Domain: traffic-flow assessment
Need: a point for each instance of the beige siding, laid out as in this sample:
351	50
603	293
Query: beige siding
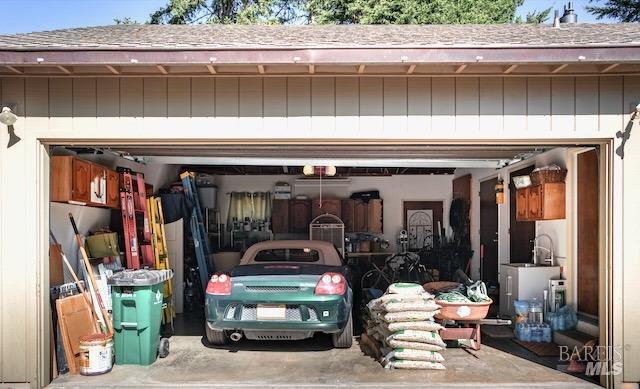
291	108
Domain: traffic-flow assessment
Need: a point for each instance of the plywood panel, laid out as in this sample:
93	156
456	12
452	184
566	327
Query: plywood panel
395	103
84	104
155	97
631	206
538	104
587	104
275	103
419	106
108	103
467	104
250	102
16	279
348	106
131	97
611	104
60	103
515	105
443	102
491	105
299	104
179	97
36	107
203	97
563	104
371	106
226	103
323	105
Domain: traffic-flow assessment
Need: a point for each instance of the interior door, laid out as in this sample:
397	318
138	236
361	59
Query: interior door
488	233
521	233
588	234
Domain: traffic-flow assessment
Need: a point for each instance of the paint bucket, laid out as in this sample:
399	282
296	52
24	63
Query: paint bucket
96	354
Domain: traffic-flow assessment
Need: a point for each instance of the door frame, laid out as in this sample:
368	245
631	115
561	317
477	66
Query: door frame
480	182
36	150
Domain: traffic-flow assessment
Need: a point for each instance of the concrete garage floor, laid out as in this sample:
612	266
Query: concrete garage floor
314	364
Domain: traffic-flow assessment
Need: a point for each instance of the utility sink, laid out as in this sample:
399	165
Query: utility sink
524	265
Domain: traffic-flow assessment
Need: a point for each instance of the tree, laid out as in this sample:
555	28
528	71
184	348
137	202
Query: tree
227	11
534	17
413	11
622	10
125	20
344	12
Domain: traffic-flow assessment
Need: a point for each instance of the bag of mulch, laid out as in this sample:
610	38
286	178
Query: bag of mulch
418	336
377	304
414	355
415	305
393	317
393	343
417	365
412	325
405	288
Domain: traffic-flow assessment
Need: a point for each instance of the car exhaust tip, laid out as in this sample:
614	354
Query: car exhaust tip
235	336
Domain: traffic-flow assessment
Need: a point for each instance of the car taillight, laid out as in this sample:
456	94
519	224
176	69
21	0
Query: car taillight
331	283
219	284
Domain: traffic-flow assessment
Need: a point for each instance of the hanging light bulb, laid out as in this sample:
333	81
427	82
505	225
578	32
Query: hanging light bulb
329	171
307	170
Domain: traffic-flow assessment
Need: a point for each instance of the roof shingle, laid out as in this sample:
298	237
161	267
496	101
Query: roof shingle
211	37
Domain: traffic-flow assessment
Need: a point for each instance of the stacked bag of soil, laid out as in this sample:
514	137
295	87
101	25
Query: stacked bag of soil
400	330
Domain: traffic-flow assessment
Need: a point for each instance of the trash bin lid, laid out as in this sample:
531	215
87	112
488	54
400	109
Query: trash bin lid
141	277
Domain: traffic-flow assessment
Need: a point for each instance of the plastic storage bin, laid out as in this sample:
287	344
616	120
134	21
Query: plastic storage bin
137	315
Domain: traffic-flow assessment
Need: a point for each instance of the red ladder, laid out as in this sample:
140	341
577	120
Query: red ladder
129	221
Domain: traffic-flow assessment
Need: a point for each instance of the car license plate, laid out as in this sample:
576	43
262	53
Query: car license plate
271	312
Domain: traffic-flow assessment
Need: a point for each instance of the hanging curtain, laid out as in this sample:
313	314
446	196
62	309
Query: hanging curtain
255	206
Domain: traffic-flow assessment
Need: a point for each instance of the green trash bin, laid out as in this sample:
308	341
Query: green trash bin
137	315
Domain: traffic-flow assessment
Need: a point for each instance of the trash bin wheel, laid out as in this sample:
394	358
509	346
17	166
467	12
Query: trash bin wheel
163	348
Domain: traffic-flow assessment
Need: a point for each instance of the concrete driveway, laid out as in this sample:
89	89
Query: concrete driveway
314	364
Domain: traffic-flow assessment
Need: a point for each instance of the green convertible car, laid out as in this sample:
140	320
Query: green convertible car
282	290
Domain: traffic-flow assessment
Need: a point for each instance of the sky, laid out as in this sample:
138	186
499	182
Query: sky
41	15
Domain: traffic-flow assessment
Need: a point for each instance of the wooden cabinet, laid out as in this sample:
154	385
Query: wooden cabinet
113	189
347	215
330	206
299	215
374	216
541	202
81	186
280	216
76	180
359	216
522	210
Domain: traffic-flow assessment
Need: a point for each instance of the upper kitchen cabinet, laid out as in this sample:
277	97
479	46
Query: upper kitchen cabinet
330	206
359	216
299	215
280	216
76	180
541	202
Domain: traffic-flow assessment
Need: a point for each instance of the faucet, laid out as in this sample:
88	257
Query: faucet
548	260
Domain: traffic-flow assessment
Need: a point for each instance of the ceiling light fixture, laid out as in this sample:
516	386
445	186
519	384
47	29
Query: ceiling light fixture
8	118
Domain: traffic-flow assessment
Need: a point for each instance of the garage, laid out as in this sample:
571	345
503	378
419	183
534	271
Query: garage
413	150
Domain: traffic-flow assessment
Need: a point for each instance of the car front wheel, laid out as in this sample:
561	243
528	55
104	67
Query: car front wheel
344	339
215	337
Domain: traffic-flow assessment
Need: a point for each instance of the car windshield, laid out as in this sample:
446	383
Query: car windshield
287	255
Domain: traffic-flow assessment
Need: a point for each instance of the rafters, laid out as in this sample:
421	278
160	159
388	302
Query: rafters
411	69
510	68
559	68
609	68
112	69
212	69
162	69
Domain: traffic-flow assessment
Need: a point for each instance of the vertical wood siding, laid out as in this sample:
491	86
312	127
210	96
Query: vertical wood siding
482	108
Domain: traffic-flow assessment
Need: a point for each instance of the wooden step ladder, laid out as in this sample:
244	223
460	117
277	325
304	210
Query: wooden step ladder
161	255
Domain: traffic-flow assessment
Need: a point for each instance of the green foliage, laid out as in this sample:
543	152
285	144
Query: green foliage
534	17
344	12
621	10
126	20
412	11
227	11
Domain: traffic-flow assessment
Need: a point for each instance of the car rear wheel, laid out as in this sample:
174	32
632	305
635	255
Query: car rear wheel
215	337
344	339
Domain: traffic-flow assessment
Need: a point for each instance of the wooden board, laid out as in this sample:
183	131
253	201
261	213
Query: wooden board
75	320
588	233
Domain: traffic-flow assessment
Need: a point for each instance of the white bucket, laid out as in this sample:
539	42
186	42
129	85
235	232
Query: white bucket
96	354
